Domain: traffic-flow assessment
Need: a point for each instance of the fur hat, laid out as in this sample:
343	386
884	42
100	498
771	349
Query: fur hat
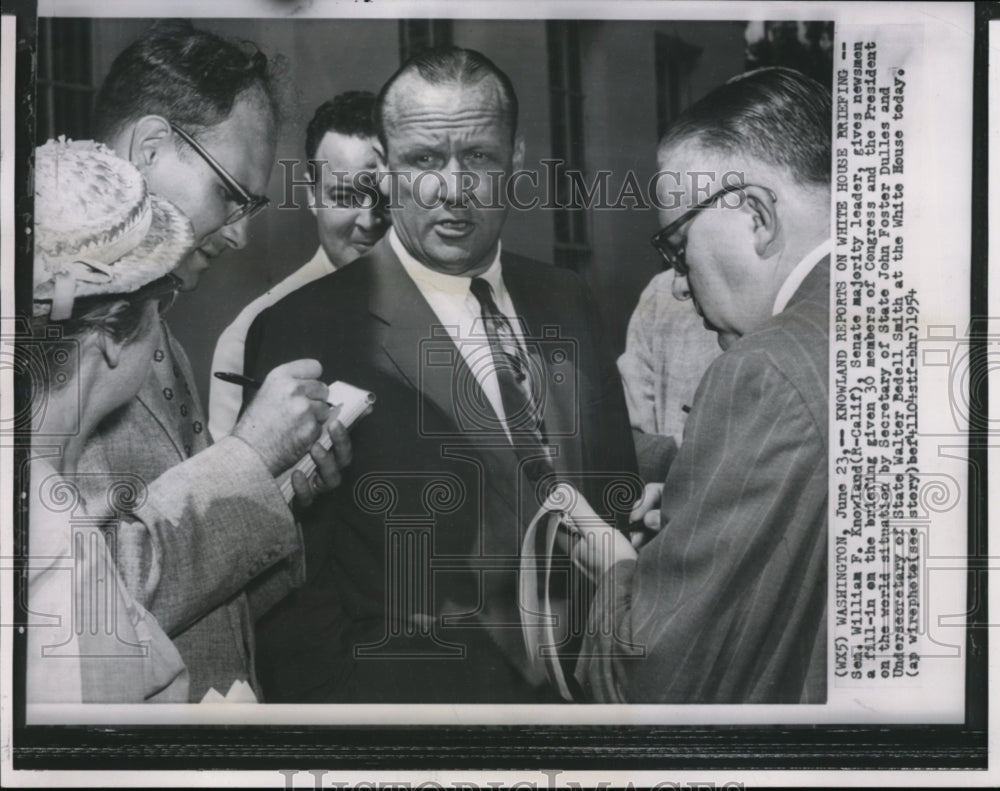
98	230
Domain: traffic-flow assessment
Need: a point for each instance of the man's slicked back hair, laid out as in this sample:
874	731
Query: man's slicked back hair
777	116
190	77
450	66
350	113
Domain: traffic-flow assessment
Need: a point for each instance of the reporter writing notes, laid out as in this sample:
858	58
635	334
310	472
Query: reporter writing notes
100	279
197	115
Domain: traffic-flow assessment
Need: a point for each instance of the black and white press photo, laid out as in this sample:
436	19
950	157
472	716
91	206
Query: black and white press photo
439	370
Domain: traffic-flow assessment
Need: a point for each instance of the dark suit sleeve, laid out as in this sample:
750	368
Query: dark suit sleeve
273	339
726	603
269	588
654	454
609	439
251	352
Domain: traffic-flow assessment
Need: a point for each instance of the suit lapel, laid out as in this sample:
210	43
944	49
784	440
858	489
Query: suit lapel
559	402
421	350
430	362
409	333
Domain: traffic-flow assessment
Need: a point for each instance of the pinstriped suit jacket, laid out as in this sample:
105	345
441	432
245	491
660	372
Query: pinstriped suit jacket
727	604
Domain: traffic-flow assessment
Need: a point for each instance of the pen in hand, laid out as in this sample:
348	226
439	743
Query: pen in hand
244	381
237	379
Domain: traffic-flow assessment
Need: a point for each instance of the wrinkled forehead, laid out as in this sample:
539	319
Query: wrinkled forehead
413	105
340	153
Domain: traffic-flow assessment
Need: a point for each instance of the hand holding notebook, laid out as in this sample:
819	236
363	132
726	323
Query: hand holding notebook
349	404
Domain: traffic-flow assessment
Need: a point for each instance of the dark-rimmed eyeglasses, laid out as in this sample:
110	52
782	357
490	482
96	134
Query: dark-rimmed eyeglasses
247	204
673	254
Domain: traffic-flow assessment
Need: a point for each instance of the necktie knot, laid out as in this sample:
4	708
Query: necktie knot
483	292
507	349
518	392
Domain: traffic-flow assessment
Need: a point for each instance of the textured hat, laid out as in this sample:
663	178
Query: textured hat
98	230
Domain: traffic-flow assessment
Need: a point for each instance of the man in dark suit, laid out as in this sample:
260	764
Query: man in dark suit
727	604
492	382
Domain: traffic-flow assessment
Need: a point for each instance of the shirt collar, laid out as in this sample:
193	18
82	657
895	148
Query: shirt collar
322	260
798	274
428	278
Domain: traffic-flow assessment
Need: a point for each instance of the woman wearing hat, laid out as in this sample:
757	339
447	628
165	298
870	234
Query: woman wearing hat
104	249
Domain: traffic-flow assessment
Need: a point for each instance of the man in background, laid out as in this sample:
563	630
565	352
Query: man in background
340	142
491	380
198	116
667	351
727	603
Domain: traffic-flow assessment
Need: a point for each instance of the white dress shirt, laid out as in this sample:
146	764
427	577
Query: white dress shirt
459	312
797	275
225	399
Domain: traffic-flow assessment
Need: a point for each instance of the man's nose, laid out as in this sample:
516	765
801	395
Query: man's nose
453	178
680	287
235	233
368	219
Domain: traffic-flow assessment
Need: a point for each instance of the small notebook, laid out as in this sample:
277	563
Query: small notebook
349	403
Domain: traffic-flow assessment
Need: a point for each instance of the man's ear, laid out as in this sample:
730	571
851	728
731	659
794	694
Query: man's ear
518	153
110	348
760	203
149	134
311	189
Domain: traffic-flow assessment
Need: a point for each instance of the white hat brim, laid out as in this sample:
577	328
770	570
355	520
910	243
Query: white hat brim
169	240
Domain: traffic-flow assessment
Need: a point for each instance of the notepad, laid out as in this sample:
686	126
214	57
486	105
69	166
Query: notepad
349	403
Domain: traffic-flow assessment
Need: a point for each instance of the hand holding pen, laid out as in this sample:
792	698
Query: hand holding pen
329	458
239	380
286	415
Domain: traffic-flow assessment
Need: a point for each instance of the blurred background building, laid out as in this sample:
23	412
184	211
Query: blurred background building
594	94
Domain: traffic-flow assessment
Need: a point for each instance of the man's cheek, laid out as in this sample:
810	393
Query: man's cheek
188	276
331	227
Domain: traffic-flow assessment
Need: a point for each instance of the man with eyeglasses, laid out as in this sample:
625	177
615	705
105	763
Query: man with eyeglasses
726	603
198	116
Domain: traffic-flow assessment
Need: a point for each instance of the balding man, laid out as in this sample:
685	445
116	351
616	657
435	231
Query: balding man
727	603
491	382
